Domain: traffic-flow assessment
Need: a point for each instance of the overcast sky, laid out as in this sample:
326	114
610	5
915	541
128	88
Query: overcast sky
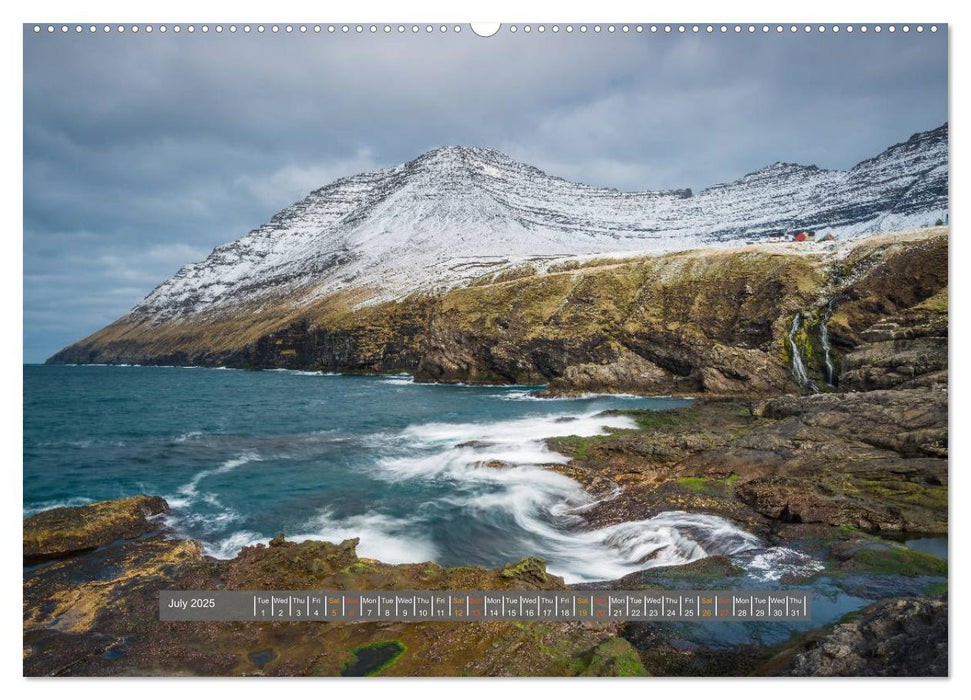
143	152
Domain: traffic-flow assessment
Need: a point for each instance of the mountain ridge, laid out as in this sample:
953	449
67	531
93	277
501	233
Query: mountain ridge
399	229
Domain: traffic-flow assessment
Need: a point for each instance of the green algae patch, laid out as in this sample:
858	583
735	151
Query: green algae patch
359	567
704	485
652	420
531	568
374	658
615	657
576	446
899	561
899	491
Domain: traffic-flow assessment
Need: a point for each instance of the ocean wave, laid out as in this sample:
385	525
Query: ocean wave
401	379
530	395
578	553
501	482
191	488
518	431
772	563
228	547
202	522
64	503
467	451
383	537
462	450
186	520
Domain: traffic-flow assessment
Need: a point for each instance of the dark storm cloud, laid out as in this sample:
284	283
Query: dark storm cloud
142	152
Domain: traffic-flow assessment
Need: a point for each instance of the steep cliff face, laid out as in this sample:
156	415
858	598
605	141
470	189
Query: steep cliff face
686	323
885	317
699	322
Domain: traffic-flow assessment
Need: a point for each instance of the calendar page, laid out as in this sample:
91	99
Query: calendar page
518	349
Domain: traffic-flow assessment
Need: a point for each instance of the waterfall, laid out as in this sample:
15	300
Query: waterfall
824	339
798	368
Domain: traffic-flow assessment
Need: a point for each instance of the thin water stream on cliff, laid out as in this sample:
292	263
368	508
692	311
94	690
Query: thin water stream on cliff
798	368
824	341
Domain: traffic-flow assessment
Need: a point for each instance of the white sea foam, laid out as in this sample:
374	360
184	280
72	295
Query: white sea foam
553	519
401	379
391	540
667	539
462	448
772	563
216	517
207	523
530	395
229	547
65	503
534	429
543	512
548	508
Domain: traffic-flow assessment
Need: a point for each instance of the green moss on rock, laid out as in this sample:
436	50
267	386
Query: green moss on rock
900	561
615	657
530	569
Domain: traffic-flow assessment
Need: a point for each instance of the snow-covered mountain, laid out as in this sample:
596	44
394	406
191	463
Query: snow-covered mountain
457	213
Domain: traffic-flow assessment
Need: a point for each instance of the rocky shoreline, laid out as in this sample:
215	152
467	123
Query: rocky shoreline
94	613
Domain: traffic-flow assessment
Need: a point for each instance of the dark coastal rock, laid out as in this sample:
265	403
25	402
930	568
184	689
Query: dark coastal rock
901	351
898	637
874	460
76	595
65	531
911	422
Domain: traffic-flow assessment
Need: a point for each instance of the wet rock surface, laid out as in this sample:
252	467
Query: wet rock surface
898	637
65	531
867	461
